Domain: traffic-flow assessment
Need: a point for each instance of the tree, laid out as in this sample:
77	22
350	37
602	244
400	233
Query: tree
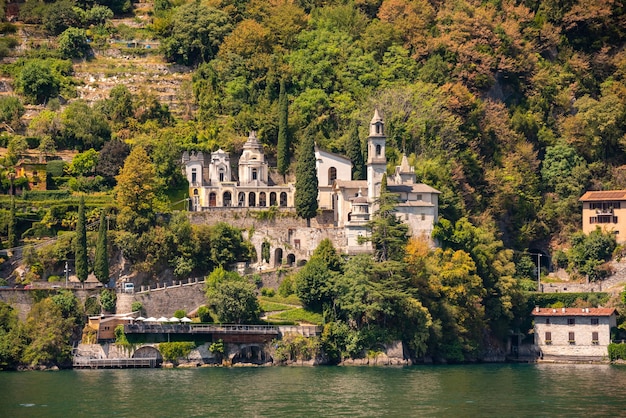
83	127
84	163
73	43
235	301
101	263
195	33
11	111
80	245
136	192
12	241
111	159
37	82
306	181
389	234
48	335
282	152
315	284
354	151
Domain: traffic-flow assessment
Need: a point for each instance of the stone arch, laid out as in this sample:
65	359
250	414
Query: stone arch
262	199
378	148
278	257
273	199
252	199
148	351
227	198
212	199
252	354
241	199
291	259
283	199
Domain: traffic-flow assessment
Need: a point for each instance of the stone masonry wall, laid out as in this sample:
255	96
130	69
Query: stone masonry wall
164	301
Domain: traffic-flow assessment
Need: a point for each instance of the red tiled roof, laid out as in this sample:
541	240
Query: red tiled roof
605	195
573	311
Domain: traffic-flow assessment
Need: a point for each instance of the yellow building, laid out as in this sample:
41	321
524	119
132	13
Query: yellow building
607	210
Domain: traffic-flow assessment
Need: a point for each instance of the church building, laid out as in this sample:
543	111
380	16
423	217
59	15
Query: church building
352	202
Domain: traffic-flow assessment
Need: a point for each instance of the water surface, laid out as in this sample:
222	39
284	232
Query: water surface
544	390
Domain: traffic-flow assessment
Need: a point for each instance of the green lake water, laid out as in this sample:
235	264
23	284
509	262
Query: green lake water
492	390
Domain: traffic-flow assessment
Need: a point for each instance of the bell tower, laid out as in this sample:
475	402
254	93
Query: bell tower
376	160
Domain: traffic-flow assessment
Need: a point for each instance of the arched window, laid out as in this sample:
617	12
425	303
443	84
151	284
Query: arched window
221	174
291	260
212	199
227	199
378	150
283	199
254	174
241	199
194	176
332	175
252	199
273	199
262	199
379	128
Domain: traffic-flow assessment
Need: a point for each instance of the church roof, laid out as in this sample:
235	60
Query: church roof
404	165
376	117
412	188
350	184
322	152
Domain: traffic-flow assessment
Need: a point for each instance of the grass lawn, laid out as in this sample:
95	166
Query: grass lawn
273	306
289	300
298	315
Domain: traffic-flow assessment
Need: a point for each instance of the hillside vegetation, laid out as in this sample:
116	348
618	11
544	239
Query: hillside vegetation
512	109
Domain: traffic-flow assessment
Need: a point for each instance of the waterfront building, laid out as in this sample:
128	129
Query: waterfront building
605	210
573	333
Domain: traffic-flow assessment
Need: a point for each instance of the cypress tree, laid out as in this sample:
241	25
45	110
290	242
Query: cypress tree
389	234
355	153
282	151
12	225
306	180
80	249
101	265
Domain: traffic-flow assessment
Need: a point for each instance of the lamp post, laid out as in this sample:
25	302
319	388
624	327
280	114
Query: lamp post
67	273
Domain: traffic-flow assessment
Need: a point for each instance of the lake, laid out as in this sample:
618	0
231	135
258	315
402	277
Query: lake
494	390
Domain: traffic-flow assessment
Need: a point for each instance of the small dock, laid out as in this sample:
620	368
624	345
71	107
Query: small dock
114	363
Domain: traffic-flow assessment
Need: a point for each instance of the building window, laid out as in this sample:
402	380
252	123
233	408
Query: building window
296	244
283	199
418	197
595	321
547	321
221	174
548	339
603	219
378	150
332	175
194	176
604	206
571	321
254	174
423	217
594	338
572	338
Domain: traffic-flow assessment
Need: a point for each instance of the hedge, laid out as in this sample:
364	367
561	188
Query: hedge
617	351
545	300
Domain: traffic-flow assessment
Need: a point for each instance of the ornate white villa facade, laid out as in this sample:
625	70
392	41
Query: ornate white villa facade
212	185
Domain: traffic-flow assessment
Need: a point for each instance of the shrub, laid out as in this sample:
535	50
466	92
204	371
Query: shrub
617	351
269	292
92	306
180	314
204	314
175	350
136	306
54	279
287	287
108	300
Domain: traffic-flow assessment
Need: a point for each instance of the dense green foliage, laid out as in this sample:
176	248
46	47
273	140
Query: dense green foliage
173	351
306	180
80	244
101	263
511	109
